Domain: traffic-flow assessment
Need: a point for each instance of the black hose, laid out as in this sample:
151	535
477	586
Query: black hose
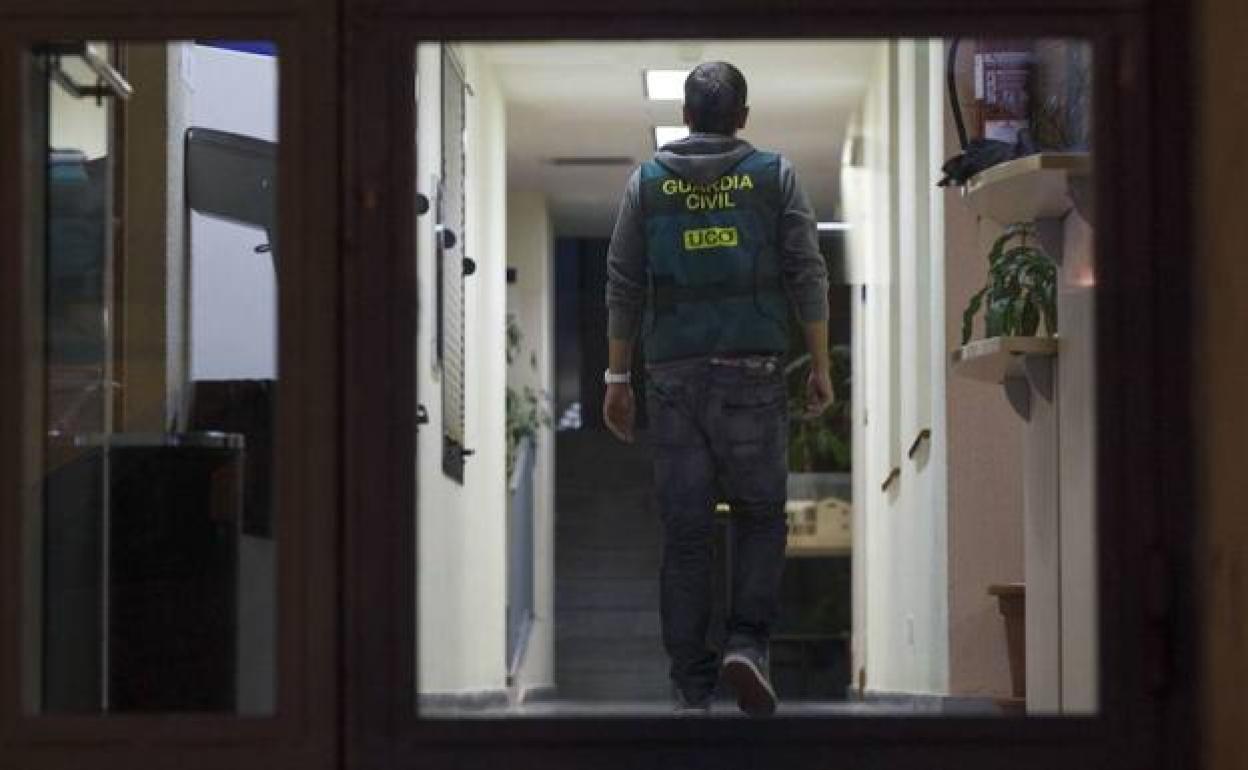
953	91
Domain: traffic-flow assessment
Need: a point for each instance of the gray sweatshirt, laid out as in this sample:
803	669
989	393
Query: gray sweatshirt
700	159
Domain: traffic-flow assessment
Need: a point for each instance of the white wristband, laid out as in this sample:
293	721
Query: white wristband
611	378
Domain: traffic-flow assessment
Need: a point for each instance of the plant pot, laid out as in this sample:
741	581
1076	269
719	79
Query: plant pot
1011	601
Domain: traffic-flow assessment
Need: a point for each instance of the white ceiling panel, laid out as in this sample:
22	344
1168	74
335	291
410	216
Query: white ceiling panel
587	100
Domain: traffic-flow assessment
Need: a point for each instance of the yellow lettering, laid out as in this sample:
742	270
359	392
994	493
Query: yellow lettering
708	192
710	237
719	200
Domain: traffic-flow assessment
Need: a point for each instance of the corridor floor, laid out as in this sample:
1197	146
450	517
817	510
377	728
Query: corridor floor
722	709
609	658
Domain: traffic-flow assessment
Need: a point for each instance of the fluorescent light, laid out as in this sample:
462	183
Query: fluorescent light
665	134
825	227
665	85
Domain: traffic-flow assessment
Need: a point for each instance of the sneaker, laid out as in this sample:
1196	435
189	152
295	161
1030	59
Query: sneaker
743	672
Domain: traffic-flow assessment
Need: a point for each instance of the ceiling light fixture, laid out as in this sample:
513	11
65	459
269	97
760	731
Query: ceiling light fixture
665	134
665	85
825	227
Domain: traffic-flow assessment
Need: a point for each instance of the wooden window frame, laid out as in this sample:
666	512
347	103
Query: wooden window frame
303	732
1145	511
347	648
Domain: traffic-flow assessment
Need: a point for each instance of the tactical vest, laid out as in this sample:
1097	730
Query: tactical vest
714	267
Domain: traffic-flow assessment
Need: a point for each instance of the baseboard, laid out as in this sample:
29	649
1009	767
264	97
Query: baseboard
544	693
934	703
474	700
517	661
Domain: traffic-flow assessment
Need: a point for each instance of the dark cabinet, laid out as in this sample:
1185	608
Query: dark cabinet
141	538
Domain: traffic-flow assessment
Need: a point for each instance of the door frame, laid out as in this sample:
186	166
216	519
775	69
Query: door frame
303	733
1148	613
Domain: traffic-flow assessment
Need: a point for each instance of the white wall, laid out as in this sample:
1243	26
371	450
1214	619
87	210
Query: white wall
530	250
462	528
864	186
177	308
78	124
901	642
233	307
233	289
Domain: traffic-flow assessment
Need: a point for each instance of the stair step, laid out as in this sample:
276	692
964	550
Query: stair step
596	534
572	624
572	562
608	541
595	687
606	594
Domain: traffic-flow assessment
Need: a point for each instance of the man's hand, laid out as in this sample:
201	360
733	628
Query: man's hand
619	412
819	393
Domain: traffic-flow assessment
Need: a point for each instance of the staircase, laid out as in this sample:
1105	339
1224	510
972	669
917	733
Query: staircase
607	552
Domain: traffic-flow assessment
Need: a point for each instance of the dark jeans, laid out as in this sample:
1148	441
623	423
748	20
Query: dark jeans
720	433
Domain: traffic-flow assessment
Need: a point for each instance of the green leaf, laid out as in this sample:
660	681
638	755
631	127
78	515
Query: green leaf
998	246
1029	317
996	316
968	315
842	453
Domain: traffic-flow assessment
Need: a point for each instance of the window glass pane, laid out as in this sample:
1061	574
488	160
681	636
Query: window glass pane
151	558
881	565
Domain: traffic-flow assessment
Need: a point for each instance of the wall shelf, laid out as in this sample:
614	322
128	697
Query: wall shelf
996	359
1020	364
1028	188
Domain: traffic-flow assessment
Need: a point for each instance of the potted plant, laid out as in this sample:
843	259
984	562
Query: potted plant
1021	291
822	444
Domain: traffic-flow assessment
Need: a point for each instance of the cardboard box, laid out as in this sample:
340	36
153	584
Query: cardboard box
819	527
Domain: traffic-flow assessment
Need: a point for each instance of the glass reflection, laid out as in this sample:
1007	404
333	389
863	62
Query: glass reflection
937	492
153	577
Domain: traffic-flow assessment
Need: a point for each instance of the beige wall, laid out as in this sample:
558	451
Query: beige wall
143	334
986	485
1221	377
530	250
461	559
79	124
985	470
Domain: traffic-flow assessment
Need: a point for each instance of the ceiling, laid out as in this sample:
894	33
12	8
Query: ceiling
586	99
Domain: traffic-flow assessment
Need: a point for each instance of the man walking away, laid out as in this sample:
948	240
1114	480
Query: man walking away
715	242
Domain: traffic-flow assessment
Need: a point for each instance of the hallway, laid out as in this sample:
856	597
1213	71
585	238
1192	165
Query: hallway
609	659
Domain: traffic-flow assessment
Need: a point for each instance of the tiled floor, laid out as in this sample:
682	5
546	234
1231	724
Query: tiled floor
720	709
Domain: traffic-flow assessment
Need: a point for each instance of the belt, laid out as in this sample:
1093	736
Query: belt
765	362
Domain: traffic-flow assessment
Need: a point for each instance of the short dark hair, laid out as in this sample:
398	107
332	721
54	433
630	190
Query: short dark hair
715	96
